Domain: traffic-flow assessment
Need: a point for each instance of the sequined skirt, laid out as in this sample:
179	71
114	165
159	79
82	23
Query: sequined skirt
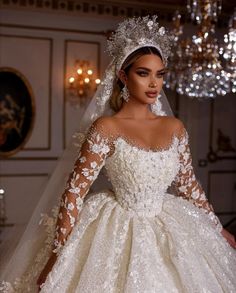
111	250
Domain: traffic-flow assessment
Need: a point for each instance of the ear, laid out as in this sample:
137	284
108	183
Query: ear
123	76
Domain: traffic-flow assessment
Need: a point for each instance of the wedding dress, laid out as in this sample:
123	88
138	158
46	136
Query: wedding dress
135	237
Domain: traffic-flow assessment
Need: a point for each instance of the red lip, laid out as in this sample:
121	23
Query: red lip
151	94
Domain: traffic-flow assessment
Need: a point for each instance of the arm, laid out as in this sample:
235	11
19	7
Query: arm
187	184
91	159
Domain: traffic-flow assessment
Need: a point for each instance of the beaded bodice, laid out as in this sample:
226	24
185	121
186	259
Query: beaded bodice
141	177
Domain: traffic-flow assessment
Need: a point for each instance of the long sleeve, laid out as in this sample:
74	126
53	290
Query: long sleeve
186	183
91	159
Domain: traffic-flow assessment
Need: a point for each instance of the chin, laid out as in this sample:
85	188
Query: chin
150	101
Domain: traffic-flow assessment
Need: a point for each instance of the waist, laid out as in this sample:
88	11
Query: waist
150	207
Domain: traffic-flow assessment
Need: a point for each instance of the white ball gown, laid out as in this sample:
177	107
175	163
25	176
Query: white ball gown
137	237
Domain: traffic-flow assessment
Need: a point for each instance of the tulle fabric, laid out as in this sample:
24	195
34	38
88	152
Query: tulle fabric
113	250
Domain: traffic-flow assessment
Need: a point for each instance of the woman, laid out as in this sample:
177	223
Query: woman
137	237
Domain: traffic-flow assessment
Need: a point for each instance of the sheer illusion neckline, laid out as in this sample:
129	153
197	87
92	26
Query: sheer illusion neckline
131	143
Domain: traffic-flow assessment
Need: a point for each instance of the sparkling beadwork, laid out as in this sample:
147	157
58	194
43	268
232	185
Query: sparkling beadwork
145	239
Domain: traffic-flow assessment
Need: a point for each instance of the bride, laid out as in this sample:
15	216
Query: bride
136	235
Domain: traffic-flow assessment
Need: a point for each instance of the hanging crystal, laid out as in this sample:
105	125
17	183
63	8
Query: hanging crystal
203	77
228	51
195	66
198	9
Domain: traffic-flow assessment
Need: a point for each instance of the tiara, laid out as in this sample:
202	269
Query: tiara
135	33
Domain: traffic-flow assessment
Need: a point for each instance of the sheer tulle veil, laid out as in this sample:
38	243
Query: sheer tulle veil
40	229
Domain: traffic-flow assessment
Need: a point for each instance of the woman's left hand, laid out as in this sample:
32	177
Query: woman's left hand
229	237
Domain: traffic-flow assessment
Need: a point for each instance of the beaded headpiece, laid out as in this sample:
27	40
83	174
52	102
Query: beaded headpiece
131	34
135	33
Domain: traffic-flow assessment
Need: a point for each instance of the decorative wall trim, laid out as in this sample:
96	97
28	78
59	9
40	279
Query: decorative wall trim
30	159
210	174
98	65
93	8
50	40
108	9
212	155
54	29
25	175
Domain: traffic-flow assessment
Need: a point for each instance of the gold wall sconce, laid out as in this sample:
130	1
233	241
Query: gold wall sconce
81	84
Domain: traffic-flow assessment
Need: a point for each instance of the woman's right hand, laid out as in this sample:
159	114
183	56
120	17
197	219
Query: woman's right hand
47	269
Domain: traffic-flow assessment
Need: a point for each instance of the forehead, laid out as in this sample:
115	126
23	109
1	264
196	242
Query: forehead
149	61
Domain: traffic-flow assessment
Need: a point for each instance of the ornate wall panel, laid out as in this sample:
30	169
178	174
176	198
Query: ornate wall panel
222	193
83	50
32	56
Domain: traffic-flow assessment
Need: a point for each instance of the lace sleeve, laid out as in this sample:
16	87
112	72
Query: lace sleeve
186	183
91	159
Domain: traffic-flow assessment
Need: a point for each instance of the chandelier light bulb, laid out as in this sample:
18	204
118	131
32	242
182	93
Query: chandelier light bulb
81	83
199	67
71	80
79	71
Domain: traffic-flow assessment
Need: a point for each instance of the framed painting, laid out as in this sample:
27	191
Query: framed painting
17	111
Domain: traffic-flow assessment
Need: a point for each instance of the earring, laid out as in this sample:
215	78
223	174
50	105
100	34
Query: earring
125	93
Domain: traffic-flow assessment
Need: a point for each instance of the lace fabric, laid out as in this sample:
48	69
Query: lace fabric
97	147
186	183
136	231
90	161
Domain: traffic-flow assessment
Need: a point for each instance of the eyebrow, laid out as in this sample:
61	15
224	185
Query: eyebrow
145	68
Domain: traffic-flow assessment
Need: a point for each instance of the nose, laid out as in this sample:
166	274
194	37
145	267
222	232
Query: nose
153	84
152	81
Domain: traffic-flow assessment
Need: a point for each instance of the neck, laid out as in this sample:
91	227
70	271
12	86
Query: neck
136	110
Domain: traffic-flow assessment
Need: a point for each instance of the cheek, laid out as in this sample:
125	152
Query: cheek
137	83
160	82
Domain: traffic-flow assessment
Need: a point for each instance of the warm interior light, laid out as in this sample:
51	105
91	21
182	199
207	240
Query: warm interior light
71	79
81	82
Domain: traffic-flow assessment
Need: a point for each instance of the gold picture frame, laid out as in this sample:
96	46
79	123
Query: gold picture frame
17	111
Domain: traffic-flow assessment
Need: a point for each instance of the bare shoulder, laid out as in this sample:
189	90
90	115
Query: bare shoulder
105	123
174	124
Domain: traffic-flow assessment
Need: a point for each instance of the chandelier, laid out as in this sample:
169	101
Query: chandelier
81	84
228	51
196	68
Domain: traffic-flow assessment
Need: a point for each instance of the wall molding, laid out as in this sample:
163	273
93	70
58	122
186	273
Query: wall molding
209	179
98	64
212	155
108	9
50	43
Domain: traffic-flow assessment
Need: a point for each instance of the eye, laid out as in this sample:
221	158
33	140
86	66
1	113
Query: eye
160	75
142	73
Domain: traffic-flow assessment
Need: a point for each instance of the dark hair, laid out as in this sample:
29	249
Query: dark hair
116	99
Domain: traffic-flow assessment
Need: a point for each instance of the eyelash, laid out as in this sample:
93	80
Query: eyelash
144	73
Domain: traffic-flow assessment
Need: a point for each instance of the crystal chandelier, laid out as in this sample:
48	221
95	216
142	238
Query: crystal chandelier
228	51
195	65
81	84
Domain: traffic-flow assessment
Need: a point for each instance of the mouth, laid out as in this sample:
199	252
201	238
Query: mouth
151	94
